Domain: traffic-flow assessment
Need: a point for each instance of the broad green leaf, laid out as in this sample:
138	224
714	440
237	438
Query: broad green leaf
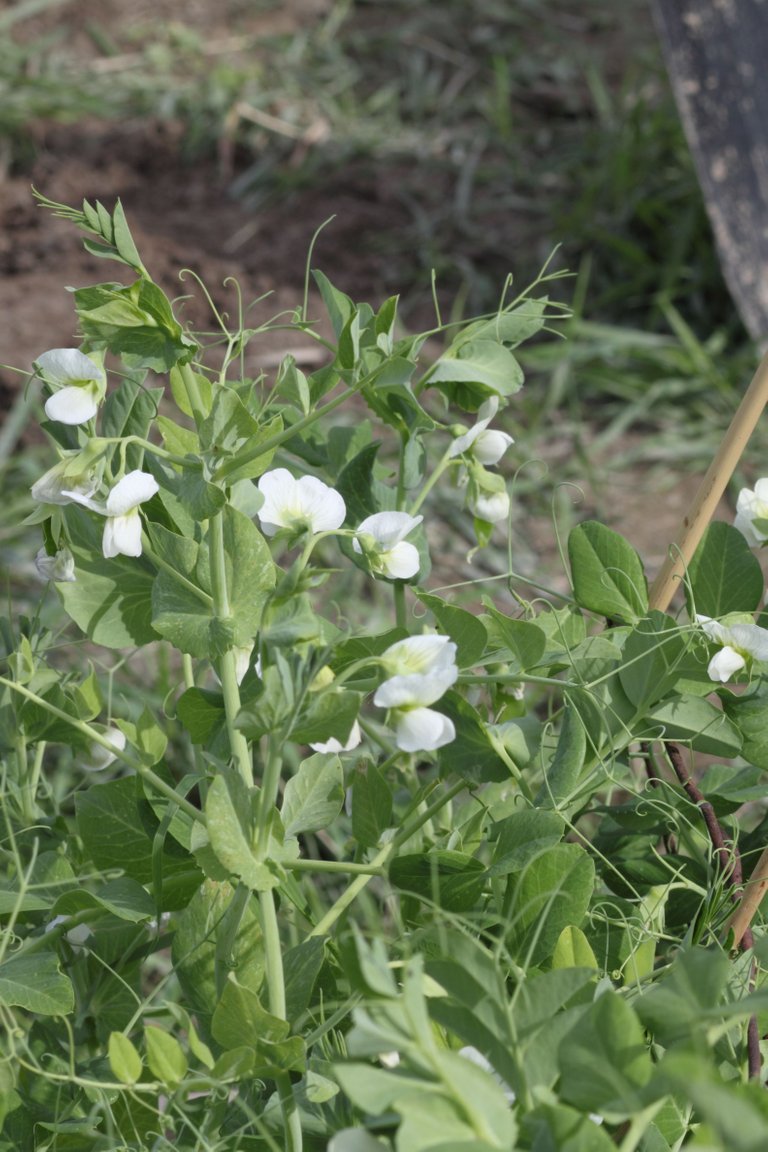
724	575
313	797
355	1140
524	639
111	600
520	838
165	1056
605	1061
124	1060
36	984
686	997
694	721
736	1112
250	573
363	493
240	1020
749	712
123	897
467	631
552	892
229	823
607	573
202	713
573	950
197	956
512	326
652	658
200	498
556	1128
480	362
326	715
301	968
129	409
371	804
452	880
338	305
471	754
561	776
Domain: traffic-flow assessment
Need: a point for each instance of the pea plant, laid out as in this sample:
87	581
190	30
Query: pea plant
303	851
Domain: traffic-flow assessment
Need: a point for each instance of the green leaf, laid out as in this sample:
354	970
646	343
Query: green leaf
467	631
181	395
123	897
521	837
202	714
338	305
512	326
748	712
124	1060
36	984
555	1128
607	573
481	362
229	823
604	1060
110	600
355	1140
371	805
452	880
552	892
250	573
724	574
524	639
201	499
165	1056
652	659
241	1020
301	968
201	929
326	715
471	754
314	796
562	775
180	616
694	721
573	950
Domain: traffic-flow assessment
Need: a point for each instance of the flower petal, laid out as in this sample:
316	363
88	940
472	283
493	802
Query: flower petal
99	756
387	528
122	535
134	489
414	690
72	405
491	507
490	446
401	562
724	663
420	654
422	730
66	365
334	745
322	505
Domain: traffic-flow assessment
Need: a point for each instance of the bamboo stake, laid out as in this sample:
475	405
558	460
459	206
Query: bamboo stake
751	898
711	489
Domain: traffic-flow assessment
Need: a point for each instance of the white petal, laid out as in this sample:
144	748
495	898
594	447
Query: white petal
492	507
55	487
388	528
60	567
323	506
334	745
71	405
491	446
100	757
122	535
401	562
128	493
63	365
723	665
408	691
422	730
420	654
750	638
761	491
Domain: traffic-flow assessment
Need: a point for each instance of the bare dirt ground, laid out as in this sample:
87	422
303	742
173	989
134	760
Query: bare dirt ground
183	215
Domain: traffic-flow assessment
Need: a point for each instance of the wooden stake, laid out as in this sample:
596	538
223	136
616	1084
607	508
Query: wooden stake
711	489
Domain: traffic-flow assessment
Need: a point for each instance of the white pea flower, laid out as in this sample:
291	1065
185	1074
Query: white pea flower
381	539
76	936
60	567
752	505
122	531
79	385
57	484
303	504
100	757
428	655
740	644
417	727
334	745
490	506
487	446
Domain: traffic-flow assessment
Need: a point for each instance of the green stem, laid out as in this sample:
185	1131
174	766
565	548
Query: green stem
33	780
440	467
337	909
97	738
238	745
342	866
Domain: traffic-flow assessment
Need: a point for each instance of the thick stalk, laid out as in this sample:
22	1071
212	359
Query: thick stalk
238	745
711	489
